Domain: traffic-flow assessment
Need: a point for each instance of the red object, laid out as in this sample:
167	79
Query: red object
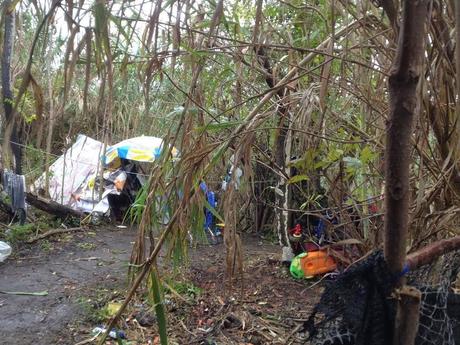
373	208
297	231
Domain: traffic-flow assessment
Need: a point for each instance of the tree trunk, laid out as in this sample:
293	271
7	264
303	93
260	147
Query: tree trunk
52	207
456	177
11	138
282	148
403	84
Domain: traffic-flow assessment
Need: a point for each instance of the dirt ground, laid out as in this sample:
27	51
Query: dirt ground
70	268
266	307
84	271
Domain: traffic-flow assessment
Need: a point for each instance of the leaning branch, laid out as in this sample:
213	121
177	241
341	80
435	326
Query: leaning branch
431	252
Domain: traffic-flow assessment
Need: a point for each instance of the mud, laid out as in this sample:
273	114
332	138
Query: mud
69	268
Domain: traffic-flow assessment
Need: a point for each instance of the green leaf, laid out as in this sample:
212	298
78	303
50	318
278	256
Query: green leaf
218	126
117	22
277	191
155	289
298	178
367	155
213	211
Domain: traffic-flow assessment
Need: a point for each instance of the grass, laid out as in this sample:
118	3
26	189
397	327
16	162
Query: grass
92	313
95	306
46	246
19	233
87	245
183	288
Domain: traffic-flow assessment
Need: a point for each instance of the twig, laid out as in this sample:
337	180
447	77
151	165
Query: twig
54	232
185	328
294	331
87	341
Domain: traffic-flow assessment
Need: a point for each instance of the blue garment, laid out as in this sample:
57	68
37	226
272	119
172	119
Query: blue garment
203	187
208	224
319	229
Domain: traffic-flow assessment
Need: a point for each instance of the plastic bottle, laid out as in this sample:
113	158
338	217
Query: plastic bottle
5	251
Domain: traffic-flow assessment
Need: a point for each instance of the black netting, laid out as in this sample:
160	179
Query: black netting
357	307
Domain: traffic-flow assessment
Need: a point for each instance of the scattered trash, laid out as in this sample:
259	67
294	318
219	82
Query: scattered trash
233	169
287	256
114	333
308	265
5	251
121	226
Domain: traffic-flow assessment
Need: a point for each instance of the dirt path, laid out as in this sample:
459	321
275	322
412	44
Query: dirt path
84	271
70	269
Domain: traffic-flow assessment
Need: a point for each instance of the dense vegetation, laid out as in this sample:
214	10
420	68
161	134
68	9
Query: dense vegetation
296	91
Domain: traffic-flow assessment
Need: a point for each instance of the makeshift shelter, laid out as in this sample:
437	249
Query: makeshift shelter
71	172
74	178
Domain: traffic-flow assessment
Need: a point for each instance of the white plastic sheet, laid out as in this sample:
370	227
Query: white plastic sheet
76	165
5	250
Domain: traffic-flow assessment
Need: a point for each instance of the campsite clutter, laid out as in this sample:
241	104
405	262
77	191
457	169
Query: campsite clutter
84	181
75	180
318	244
87	180
311	259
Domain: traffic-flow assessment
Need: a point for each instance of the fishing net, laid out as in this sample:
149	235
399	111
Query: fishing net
357	307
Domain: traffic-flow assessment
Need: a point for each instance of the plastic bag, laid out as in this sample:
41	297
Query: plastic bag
5	251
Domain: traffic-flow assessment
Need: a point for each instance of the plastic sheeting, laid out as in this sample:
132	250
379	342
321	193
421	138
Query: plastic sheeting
69	172
5	250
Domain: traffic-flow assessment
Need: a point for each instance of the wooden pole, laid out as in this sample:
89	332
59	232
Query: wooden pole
407	315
